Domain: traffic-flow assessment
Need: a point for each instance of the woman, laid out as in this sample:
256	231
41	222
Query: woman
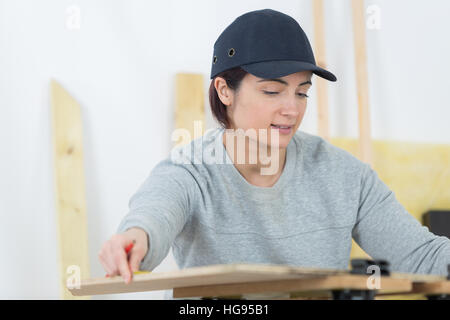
302	210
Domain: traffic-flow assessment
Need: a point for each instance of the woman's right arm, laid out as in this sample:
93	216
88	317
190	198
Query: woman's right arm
159	210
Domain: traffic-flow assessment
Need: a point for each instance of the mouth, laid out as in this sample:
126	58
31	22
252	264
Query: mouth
283	129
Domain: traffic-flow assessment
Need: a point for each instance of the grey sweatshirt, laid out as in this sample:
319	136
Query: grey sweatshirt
209	214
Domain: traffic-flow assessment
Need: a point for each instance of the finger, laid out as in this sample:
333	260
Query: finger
110	261
107	269
104	262
121	262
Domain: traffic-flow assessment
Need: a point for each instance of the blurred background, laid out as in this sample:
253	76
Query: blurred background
118	59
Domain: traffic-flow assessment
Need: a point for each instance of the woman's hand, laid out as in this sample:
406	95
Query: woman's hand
114	258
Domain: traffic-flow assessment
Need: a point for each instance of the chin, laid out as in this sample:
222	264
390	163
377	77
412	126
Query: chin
282	144
279	146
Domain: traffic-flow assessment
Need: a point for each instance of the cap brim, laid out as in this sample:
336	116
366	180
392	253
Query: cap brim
281	68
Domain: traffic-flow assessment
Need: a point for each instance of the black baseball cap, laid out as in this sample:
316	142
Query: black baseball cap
266	43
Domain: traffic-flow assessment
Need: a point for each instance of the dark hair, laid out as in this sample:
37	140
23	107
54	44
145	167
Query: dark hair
233	78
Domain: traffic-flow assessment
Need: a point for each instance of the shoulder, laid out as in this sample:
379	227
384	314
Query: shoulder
194	152
188	160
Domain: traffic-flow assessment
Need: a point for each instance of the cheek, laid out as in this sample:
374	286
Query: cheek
262	116
257	114
303	109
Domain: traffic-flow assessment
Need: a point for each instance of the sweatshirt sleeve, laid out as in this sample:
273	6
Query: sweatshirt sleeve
385	230
161	207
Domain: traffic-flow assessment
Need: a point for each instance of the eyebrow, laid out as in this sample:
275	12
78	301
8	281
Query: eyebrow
284	82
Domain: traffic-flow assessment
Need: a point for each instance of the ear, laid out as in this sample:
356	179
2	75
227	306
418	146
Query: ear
223	91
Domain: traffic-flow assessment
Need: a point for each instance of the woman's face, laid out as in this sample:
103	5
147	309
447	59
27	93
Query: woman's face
261	103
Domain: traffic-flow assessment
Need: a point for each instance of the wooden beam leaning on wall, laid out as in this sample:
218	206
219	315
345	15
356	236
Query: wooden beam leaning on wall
69	189
322	84
359	34
189	106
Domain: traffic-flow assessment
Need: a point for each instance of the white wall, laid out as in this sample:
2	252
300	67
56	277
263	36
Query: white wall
120	66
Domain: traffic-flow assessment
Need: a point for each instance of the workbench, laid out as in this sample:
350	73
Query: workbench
253	281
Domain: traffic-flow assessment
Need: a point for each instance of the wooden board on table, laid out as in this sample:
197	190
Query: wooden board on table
313	285
242	274
431	288
318	285
204	275
422	286
69	187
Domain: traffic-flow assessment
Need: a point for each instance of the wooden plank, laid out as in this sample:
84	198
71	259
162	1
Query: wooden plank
396	284
205	275
238	274
359	36
439	287
69	187
321	84
424	287
189	105
321	285
238	279
418	278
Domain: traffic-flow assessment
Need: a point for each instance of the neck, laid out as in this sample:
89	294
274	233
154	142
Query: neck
253	171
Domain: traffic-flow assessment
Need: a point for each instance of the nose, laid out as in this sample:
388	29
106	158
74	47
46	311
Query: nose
291	107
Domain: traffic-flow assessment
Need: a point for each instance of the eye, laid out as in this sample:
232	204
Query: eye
302	95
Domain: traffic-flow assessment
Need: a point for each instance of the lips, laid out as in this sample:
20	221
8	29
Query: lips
284	130
281	126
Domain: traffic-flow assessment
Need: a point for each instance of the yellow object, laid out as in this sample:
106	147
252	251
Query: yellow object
189	107
322	84
417	173
141	272
69	189
359	39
